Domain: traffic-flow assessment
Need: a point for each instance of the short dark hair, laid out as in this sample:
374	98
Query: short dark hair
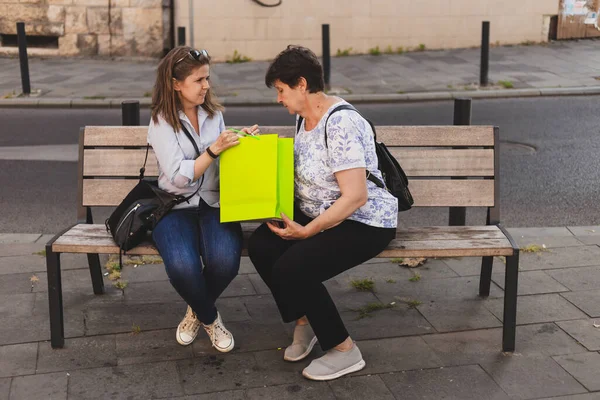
294	63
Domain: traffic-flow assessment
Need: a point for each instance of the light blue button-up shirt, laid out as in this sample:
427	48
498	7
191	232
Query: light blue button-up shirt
176	156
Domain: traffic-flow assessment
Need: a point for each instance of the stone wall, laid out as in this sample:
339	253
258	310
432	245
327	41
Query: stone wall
93	27
223	26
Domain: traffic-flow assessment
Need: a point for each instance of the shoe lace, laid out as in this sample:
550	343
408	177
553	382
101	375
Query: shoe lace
216	331
190	322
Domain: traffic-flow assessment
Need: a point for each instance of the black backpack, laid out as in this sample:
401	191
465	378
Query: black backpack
395	180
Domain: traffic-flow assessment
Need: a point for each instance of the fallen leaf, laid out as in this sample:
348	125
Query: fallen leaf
413	262
34	279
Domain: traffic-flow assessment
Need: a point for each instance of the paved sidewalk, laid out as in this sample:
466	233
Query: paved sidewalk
568	67
439	340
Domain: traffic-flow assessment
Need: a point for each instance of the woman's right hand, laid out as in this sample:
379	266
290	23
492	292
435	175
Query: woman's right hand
226	140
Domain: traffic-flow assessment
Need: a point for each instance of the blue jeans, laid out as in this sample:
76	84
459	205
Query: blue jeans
201	255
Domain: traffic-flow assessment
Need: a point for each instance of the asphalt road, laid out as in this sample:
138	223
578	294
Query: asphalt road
550	170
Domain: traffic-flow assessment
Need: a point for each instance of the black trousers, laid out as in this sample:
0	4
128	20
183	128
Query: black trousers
294	270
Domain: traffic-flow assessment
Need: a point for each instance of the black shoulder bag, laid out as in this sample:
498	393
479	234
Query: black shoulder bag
395	180
143	207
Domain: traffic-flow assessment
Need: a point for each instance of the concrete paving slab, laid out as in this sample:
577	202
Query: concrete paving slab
23	329
576	279
588	396
18	359
260	287
469	266
297	391
273	370
395	322
540	232
238	368
538	308
484	345
5	388
18	238
584	367
40	387
580	256
361	387
150	292
588	301
226	395
78	353
150	346
106	319
260	308
249	336
457	383
584	331
143	381
532	282
454	315
16	304
549	241
397	354
144	273
531	378
347	298
240	286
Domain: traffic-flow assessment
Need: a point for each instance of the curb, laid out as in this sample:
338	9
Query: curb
145	102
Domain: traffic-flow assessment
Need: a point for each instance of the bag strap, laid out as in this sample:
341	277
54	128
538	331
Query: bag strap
189	136
370	177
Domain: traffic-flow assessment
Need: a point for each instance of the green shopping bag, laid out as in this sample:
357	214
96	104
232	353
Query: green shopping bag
257	179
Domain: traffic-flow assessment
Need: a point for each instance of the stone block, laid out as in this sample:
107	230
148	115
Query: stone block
576	279
5	388
87	45
61	2
143	30
104	45
532	282
67	44
579	256
97	20
40	386
454	315
116	21
397	354
56	13
119	3
145	3
76	20
588	301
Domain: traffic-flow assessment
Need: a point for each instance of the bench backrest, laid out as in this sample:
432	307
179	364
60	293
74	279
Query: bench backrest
110	158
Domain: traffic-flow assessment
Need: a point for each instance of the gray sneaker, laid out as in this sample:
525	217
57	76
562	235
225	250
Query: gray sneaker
304	341
335	364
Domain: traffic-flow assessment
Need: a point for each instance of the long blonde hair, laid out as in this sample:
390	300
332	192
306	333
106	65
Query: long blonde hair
165	101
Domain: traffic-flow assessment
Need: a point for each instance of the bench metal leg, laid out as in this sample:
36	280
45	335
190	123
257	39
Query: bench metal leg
96	273
57	330
510	302
485	279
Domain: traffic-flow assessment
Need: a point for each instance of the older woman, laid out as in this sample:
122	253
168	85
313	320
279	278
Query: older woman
341	218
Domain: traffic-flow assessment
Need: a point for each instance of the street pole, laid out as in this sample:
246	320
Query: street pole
326	55
130	112
485	53
23	60
181	36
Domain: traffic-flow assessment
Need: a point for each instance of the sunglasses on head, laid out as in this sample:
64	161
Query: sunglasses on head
195	54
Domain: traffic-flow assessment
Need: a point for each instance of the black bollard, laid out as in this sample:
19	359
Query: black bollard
130	111
181	36
22	42
462	116
485	53
326	55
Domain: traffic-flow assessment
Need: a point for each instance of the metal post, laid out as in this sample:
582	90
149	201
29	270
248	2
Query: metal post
326	55
191	8
462	116
181	36
485	53
130	111
22	42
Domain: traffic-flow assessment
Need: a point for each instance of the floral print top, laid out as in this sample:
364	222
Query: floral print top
349	145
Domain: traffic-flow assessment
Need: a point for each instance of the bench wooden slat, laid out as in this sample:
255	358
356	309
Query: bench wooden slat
426	193
426	136
411	242
416	163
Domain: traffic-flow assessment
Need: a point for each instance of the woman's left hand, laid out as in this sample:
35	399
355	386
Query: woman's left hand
253	130
291	231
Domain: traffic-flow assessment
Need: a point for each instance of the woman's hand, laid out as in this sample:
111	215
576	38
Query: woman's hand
226	140
253	130
291	231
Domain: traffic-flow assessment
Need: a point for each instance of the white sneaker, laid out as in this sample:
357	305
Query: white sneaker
188	328
220	337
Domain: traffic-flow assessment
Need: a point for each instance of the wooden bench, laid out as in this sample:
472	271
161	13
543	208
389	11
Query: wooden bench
110	159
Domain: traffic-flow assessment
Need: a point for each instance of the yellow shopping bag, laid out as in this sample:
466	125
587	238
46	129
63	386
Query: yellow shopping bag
257	179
